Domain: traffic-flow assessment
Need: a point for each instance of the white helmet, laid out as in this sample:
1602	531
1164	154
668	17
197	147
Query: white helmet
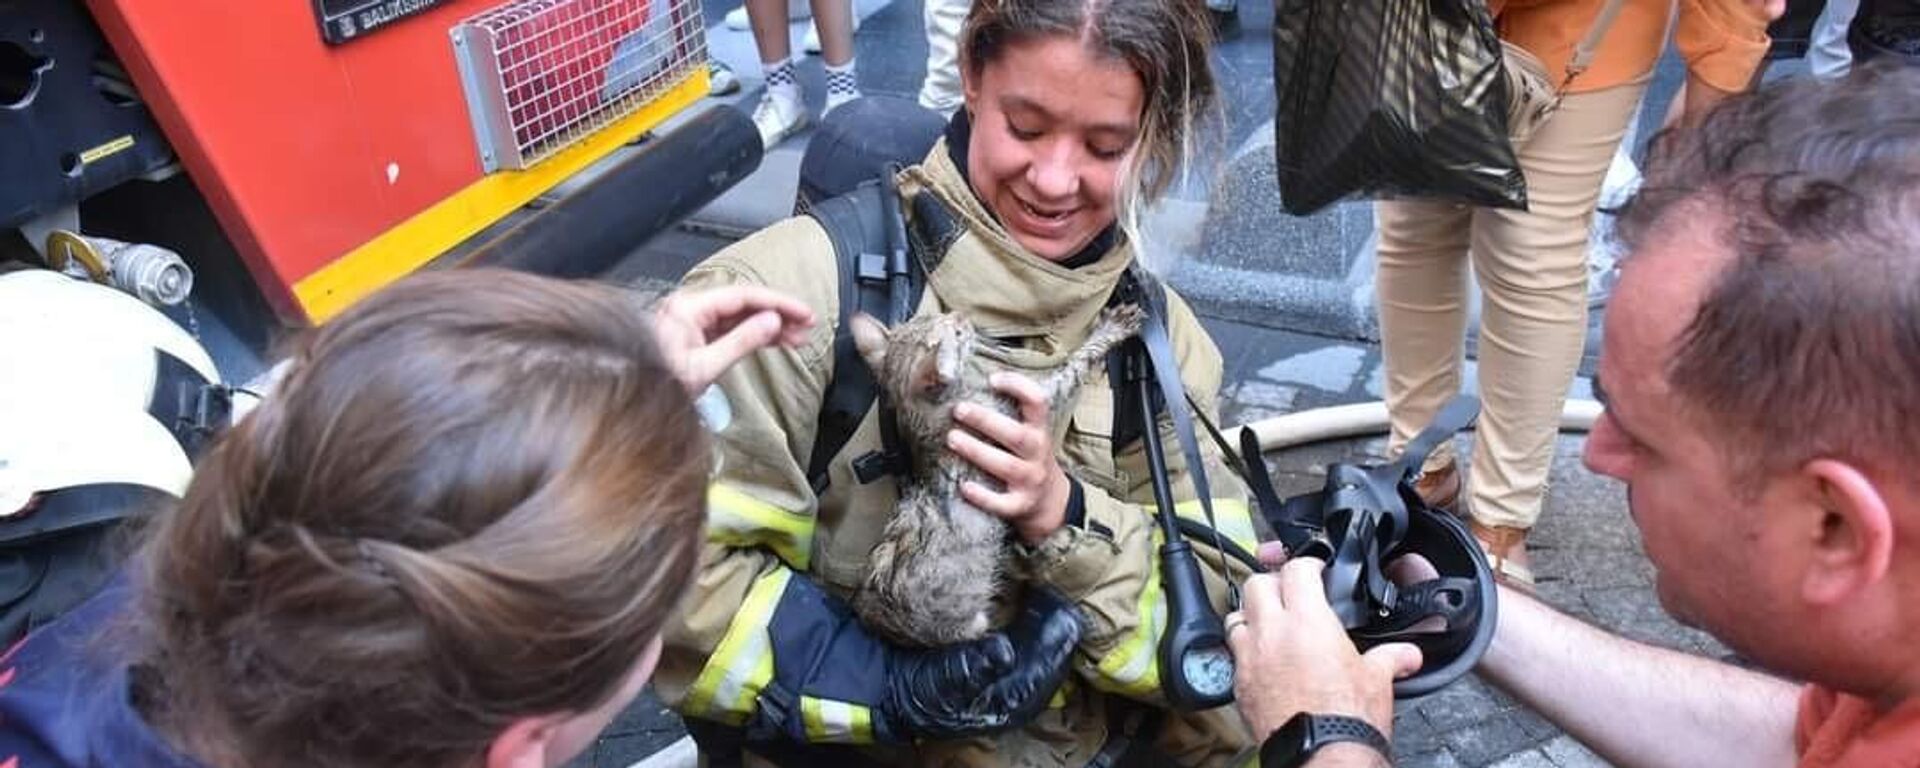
91	384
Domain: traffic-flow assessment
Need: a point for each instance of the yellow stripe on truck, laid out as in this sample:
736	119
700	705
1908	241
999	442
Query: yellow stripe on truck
424	236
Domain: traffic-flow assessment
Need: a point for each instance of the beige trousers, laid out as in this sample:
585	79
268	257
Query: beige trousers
1532	270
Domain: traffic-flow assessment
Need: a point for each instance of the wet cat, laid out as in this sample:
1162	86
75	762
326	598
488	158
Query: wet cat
940	560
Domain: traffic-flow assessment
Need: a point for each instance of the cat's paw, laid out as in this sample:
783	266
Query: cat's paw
1123	320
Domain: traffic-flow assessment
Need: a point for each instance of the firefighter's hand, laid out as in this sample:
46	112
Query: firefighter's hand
1293	655
998	682
1019	453
703	332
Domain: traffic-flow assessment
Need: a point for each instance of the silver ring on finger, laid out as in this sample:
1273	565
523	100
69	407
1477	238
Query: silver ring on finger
1235	621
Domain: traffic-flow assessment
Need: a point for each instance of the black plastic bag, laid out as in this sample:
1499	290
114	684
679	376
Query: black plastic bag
1402	98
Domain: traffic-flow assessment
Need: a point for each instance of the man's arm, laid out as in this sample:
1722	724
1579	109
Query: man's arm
1635	704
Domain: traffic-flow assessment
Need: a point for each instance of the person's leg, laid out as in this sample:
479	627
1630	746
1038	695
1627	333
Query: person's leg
1827	53
796	10
940	90
1421	284
782	109
770	35
833	19
1532	270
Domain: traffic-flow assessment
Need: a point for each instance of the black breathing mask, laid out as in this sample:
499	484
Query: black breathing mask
1363	520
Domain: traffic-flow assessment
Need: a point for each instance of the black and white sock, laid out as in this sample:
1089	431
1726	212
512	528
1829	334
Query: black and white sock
842	85
783	89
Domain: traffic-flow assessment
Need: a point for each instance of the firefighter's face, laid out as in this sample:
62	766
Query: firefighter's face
1054	124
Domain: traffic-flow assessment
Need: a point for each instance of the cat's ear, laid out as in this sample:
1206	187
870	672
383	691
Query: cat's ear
870	337
947	360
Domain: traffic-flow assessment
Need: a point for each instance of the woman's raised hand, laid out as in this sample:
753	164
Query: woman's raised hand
702	332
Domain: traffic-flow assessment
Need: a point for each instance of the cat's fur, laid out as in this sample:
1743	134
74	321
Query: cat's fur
940	560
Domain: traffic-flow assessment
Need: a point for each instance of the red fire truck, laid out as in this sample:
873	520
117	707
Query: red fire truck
267	163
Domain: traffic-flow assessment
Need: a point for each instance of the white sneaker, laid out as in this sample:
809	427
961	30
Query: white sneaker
796	10
836	101
811	43
778	118
720	79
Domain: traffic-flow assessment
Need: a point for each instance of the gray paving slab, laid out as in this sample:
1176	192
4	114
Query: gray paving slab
1565	752
1439	758
1532	758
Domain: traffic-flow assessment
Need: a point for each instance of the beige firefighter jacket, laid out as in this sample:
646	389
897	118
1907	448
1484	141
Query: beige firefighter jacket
765	524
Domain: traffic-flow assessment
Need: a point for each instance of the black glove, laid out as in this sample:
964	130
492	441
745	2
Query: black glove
1001	681
997	682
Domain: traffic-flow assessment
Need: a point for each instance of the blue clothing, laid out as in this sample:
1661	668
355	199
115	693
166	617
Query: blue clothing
66	695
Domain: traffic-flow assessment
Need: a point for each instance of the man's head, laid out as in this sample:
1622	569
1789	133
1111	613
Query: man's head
1762	371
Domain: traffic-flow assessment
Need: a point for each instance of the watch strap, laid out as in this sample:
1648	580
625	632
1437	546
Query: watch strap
1296	742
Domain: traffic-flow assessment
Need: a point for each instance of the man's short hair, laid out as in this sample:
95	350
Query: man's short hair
1808	343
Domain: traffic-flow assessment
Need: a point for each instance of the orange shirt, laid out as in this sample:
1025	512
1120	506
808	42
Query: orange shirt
1722	41
1836	730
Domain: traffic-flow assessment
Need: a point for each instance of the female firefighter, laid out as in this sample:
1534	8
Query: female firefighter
1077	114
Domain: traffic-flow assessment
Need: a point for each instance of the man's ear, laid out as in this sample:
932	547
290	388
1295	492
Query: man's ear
870	337
523	744
1851	537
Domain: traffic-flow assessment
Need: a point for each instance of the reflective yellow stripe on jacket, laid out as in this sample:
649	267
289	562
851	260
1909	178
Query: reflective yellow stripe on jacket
742	665
1231	516
836	721
736	519
1133	668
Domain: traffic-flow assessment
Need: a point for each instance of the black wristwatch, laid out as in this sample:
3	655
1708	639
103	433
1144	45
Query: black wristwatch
1306	733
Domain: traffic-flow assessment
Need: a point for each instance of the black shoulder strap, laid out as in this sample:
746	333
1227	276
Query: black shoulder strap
880	277
1170	398
1166	369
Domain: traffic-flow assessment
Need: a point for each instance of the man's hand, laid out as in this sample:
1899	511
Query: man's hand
1292	655
703	332
1019	454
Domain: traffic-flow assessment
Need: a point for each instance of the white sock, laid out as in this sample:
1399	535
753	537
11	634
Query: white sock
782	84
842	85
